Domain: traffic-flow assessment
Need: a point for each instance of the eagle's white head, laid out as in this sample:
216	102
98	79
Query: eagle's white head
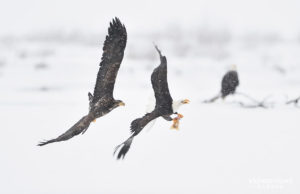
178	103
233	67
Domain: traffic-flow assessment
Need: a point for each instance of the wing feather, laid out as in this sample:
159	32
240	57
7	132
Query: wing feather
138	124
113	52
80	127
136	127
160	86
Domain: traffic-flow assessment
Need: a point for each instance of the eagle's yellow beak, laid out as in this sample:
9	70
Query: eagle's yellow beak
185	101
121	104
233	67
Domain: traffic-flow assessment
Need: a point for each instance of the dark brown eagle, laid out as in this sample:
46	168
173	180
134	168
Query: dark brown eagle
164	107
102	101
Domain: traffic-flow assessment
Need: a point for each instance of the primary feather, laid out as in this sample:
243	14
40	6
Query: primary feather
113	52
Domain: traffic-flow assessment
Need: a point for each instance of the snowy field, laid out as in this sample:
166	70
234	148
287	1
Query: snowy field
221	148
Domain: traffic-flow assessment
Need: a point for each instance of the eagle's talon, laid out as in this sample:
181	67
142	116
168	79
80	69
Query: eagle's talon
179	115
175	124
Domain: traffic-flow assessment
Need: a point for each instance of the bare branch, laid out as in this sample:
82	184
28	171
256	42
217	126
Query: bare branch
294	101
257	104
212	99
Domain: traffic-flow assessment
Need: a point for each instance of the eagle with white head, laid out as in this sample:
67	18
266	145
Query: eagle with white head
164	106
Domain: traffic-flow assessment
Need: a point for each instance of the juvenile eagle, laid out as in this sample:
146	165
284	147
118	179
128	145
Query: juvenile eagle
164	107
102	101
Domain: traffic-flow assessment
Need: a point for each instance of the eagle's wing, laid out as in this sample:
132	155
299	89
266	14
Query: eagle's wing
113	52
160	84
138	124
236	79
79	127
163	105
136	127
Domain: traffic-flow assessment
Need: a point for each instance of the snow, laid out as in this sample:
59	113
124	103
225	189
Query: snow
46	74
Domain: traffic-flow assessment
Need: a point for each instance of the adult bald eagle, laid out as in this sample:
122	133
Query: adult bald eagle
230	82
164	107
102	101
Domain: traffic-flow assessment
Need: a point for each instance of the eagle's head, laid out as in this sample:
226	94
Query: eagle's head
118	103
233	67
178	103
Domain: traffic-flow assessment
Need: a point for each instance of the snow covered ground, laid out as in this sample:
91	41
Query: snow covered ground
220	148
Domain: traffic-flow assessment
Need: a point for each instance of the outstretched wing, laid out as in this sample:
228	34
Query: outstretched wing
160	84
80	127
138	124
113	52
136	127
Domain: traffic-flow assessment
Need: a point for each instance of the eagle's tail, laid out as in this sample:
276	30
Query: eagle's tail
124	147
80	127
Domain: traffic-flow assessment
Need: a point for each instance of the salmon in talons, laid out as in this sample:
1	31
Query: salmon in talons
175	124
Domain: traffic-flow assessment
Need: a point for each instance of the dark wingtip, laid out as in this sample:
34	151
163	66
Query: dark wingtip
124	148
157	49
117	20
116	28
116	24
162	57
42	143
135	126
121	153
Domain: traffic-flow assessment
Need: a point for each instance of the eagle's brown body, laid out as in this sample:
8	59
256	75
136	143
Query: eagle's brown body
102	101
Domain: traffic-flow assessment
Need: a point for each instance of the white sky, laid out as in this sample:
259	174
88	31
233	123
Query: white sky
23	16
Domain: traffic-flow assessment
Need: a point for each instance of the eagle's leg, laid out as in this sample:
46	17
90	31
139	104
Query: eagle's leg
94	120
175	124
